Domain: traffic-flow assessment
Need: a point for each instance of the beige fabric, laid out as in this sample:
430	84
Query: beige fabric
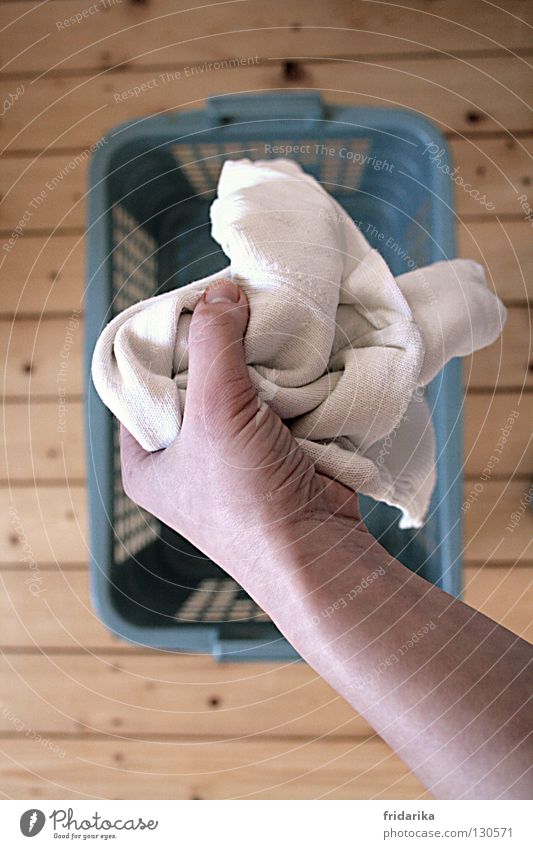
334	343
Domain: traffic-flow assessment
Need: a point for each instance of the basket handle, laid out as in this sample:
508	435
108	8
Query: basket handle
237	108
231	645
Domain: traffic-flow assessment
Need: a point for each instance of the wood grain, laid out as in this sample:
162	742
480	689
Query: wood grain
498	426
48	275
43	358
491	509
48	522
497	169
473	95
505	593
33	448
44	275
34	445
49	608
61	615
505	248
211	769
162	32
34	362
74	695
170	694
53	522
506	363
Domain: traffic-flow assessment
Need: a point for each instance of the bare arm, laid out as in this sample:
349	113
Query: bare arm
443	684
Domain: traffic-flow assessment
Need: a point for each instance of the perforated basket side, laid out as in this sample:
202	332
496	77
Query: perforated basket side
134	274
337	163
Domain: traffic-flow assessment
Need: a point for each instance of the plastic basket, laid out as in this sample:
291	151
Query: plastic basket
151	184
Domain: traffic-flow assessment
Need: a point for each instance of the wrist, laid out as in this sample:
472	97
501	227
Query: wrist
309	568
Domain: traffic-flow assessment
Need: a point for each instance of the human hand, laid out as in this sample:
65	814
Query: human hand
239	487
235	482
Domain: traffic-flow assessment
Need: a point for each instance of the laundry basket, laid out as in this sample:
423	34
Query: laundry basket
151	184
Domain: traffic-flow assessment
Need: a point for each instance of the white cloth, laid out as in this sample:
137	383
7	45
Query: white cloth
336	345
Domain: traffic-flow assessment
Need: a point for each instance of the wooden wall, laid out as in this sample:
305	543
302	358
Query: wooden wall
82	714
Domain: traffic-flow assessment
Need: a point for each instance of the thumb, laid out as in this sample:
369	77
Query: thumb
218	384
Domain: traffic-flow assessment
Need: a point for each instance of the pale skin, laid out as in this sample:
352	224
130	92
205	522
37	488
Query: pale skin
453	703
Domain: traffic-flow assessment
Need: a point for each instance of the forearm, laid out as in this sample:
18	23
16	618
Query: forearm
443	684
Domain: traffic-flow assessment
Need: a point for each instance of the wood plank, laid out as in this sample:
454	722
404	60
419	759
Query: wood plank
45	523
43	358
33	447
163	33
498	521
505	248
461	96
263	769
56	612
497	169
30	205
33	362
171	694
503	593
76	692
46	275
500	169
36	445
498	427
168	694
53	520
506	363
50	608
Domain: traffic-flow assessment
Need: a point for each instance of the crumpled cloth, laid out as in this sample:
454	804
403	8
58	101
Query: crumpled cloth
337	346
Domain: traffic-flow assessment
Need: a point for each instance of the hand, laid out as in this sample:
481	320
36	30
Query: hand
237	485
235	482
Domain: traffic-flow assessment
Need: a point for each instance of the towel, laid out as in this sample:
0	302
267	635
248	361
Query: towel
337	346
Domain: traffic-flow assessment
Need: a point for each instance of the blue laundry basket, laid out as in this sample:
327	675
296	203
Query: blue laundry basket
151	184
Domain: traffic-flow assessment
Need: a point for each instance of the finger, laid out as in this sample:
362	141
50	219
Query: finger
218	377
